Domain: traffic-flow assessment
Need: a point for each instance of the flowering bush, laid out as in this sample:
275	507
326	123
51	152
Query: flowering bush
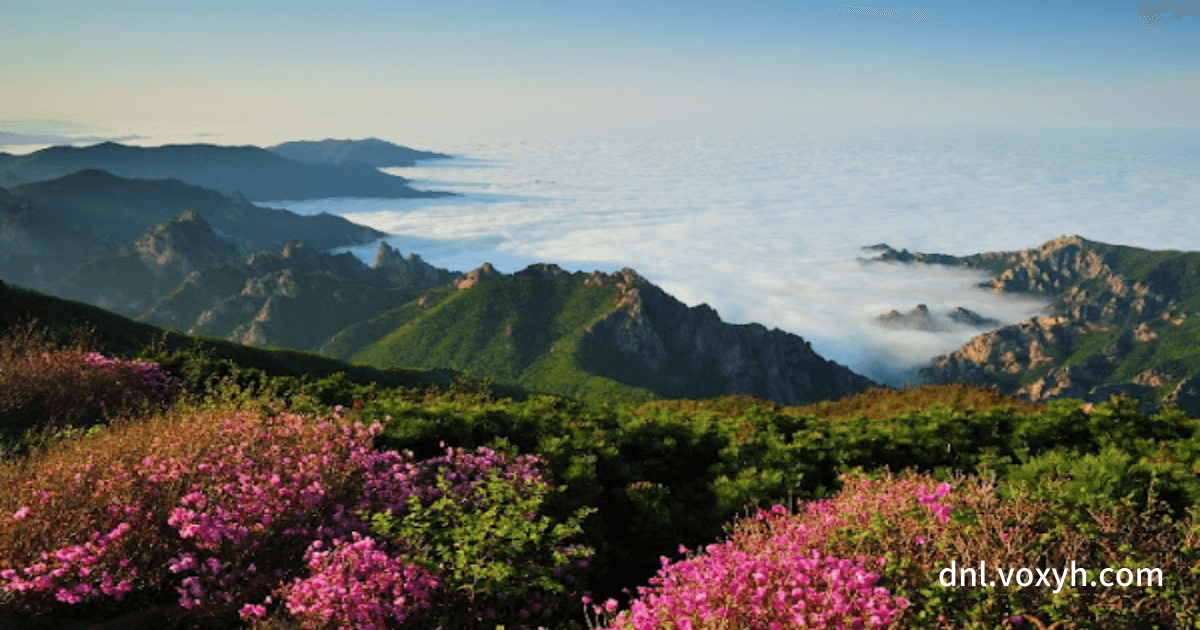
217	506
355	585
872	555
44	387
256	515
775	570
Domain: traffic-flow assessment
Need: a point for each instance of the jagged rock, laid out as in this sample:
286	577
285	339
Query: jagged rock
920	318
408	271
1093	287
917	319
1143	333
474	276
968	317
183	245
296	297
659	337
142	272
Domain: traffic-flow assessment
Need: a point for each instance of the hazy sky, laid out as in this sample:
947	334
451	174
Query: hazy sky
268	71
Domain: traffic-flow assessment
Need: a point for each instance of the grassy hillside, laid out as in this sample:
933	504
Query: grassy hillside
521	329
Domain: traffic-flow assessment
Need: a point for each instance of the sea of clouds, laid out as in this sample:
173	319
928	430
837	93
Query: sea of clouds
771	230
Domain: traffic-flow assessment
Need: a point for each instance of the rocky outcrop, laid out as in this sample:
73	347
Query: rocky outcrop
1113	307
920	318
408	271
130	281
296	297
653	338
474	276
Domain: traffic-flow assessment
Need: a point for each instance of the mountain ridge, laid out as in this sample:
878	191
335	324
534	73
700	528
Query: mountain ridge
254	172
1123	320
373	152
592	336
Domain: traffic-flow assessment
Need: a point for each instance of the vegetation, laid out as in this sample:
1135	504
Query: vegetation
522	330
251	498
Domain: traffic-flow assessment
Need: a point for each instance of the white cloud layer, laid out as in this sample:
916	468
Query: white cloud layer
769	230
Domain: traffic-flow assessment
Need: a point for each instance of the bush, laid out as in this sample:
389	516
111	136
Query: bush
909	528
44	388
214	507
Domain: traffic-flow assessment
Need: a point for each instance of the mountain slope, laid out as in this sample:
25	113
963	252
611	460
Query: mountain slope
1124	320
593	336
117	335
371	151
256	173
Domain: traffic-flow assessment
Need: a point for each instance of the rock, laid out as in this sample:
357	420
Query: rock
474	276
1153	378
917	319
1186	396
968	317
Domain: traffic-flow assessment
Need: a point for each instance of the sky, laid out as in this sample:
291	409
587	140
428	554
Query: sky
262	72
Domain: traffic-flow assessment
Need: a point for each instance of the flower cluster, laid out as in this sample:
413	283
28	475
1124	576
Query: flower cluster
356	584
140	380
780	570
261	514
244	496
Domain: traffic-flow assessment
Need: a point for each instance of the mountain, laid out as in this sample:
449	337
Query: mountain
296	298
373	152
592	336
255	173
131	280
1122	320
49	228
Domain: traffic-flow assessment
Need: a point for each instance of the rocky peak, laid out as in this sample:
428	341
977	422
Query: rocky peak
920	318
185	243
654	335
387	256
473	277
542	270
967	317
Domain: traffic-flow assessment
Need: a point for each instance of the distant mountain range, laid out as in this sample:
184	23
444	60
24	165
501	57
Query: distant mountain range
253	172
49	228
1123	320
371	151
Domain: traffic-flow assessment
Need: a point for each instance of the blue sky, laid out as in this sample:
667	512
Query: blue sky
268	71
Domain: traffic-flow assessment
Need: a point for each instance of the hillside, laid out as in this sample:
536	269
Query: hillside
256	173
373	152
1124	321
592	336
120	336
